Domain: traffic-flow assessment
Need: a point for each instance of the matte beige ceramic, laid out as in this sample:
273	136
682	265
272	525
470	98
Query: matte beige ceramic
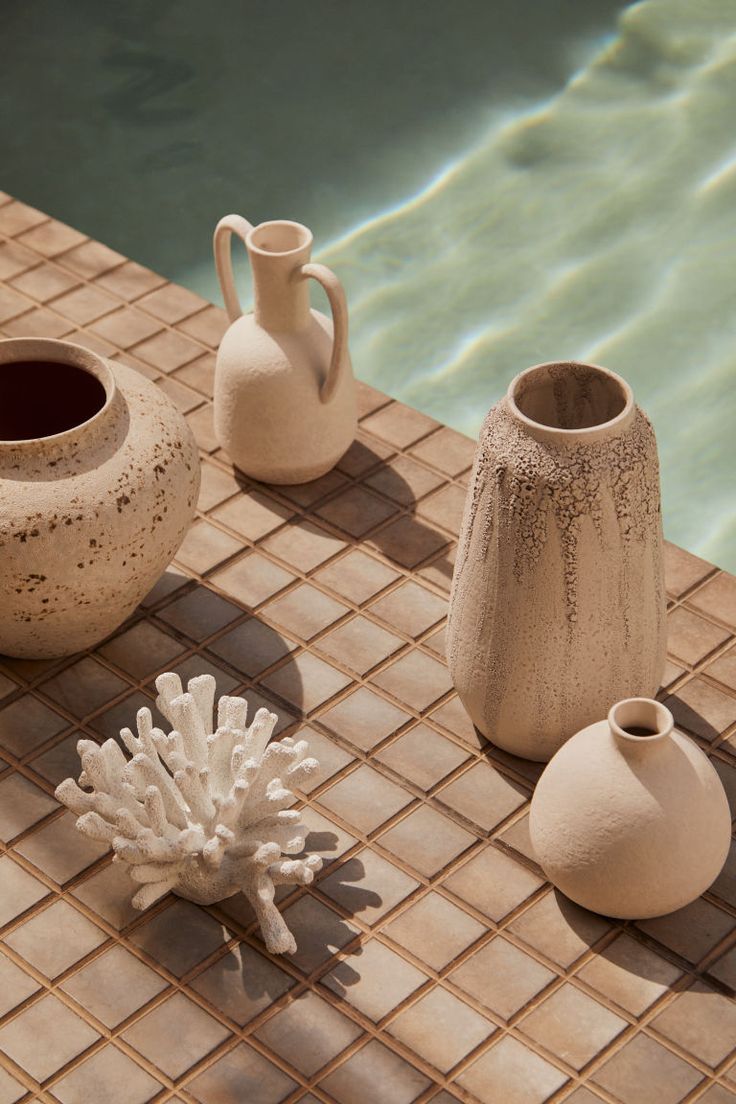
90	515
285	405
557	606
631	825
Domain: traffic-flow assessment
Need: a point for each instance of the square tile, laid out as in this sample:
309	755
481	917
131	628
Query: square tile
441	1029
84	687
208	325
493	883
113	986
365	799
502	977
427	840
26	723
324	837
511	1073
435	930
38	941
702	709
409	541
199	613
17	217
375	1073
682	570
184	398
367	886
572	1026
365	453
452	716
422	756
142	650
483	795
691	931
253	515
364	719
643	1072
717	599
22	804
205	546
108	1075
444	508
199	664
356	576
359	644
121	715
305	611
252	646
318	931
168	350
85	304
52	237
15	258
557	928
172	303
303	546
59	761
242	983
15	986
374	980
241	1075
45	1037
20	890
690	638
724	968
447	450
724	669
175	1035
330	756
308	1033
216	485
415	679
39	323
306	682
202	425
403	480
59	850
700	1021
10	1089
130	281
399	425
44	282
630	974
179	937
356	511
91	259
252	579
108	892
410	608
12	304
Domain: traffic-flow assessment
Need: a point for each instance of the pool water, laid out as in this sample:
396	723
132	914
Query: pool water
495	184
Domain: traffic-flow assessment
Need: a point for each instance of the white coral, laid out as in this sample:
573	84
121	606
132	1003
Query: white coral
203	814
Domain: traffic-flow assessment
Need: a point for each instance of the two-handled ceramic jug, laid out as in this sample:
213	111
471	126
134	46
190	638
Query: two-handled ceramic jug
285	404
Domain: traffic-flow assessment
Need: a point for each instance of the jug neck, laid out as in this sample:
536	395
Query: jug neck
640	726
277	251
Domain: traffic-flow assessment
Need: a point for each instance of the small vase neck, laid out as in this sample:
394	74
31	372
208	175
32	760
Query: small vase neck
277	251
640	726
569	404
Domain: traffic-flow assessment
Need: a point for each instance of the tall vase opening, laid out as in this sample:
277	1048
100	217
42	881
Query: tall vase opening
48	388
279	237
640	720
568	397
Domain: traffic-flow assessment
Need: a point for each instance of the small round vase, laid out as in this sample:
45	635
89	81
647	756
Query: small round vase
99	476
629	819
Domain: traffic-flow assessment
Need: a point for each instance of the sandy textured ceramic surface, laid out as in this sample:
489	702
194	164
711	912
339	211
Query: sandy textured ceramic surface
435	962
94	507
629	818
285	408
557	607
203	811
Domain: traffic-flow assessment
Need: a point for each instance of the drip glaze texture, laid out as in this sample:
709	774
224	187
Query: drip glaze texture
557	606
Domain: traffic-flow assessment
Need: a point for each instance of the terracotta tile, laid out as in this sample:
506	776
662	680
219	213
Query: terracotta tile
12	304
22	804
51	238
630	974
717	1094
253	515
447	450
126	327
306	682
252	646
175	1035
84	687
10	1089
199	613
434	930
427	840
727	774
441	1029
142	650
216	486
415	679
172	303
690	637
557	928
15	986
85	304
256	701
643	1072
15	258
356	511
493	883
242	983
365	799
39	323
205	546
444	508
241	1074
403	480
45	1037
724	669
17	217
208	326
303	546
483	795
408	541
717	599
324	837
45	282
672	672
305	611
356	576
130	281
308	1033
26	723
725	884
375	980
331	757
359	644
364	455
318	931
399	425
113	986
183	397
511	1073
682	570
725	968
168	350
367	886
572	1026
502	977
20	890
108	1075
89	340
702	709
700	1021
252	579
307	495
38	942
90	259
452	716
516	836
439	571
121	715
691	931
411	608
198	374
422	756
369	398
179	937
199	664
108	892
202	426
375	1073
59	850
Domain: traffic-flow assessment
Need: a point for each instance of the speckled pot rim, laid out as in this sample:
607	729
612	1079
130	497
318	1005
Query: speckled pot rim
17	349
584	434
640	713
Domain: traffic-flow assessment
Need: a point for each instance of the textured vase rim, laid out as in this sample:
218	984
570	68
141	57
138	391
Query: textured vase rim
305	234
644	713
583	434
19	349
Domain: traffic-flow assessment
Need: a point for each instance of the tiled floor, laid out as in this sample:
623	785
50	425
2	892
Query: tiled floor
434	962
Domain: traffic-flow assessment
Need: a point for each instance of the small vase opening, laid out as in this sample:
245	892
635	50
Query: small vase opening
279	237
568	398
640	720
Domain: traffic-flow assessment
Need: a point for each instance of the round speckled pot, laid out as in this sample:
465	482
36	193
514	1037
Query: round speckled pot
558	607
99	477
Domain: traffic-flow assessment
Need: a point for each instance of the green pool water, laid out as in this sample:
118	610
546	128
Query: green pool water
495	184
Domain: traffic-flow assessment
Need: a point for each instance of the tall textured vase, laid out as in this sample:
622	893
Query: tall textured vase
558	608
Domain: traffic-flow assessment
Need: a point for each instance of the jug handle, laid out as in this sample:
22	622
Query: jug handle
226	227
338	304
